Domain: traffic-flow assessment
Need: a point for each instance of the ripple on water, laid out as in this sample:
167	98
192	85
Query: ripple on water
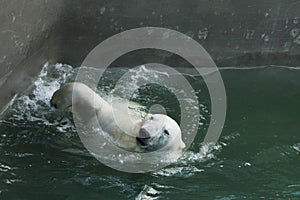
39	146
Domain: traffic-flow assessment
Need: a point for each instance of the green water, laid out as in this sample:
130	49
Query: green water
257	156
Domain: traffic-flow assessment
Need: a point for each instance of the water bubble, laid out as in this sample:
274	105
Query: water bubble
102	10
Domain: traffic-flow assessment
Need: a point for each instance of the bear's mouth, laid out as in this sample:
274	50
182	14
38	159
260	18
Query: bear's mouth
143	141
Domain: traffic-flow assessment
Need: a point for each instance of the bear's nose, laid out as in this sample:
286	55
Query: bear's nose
143	137
143	133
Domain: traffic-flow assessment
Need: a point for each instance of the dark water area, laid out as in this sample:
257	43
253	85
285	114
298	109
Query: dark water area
256	157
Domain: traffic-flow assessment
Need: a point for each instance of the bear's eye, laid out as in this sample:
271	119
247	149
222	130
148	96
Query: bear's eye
166	132
151	118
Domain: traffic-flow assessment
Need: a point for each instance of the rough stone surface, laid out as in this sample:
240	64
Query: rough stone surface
234	32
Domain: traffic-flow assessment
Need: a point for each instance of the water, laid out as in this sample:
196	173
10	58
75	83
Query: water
257	156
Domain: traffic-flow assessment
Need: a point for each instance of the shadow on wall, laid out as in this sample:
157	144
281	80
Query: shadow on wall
234	32
26	36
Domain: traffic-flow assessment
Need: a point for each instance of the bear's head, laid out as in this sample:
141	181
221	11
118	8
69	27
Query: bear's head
159	132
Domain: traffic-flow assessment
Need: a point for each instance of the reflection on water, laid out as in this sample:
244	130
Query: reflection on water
257	155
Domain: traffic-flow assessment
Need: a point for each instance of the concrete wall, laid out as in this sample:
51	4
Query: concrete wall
26	29
234	32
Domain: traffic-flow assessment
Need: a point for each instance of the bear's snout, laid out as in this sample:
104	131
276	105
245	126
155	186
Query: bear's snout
143	133
143	137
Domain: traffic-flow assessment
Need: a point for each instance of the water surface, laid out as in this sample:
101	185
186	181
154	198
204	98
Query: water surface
257	156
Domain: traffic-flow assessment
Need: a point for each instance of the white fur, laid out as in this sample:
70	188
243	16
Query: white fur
128	131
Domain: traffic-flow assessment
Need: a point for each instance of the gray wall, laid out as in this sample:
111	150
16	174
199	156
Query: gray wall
234	32
26	29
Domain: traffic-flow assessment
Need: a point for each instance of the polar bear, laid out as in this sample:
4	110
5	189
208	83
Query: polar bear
128	131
